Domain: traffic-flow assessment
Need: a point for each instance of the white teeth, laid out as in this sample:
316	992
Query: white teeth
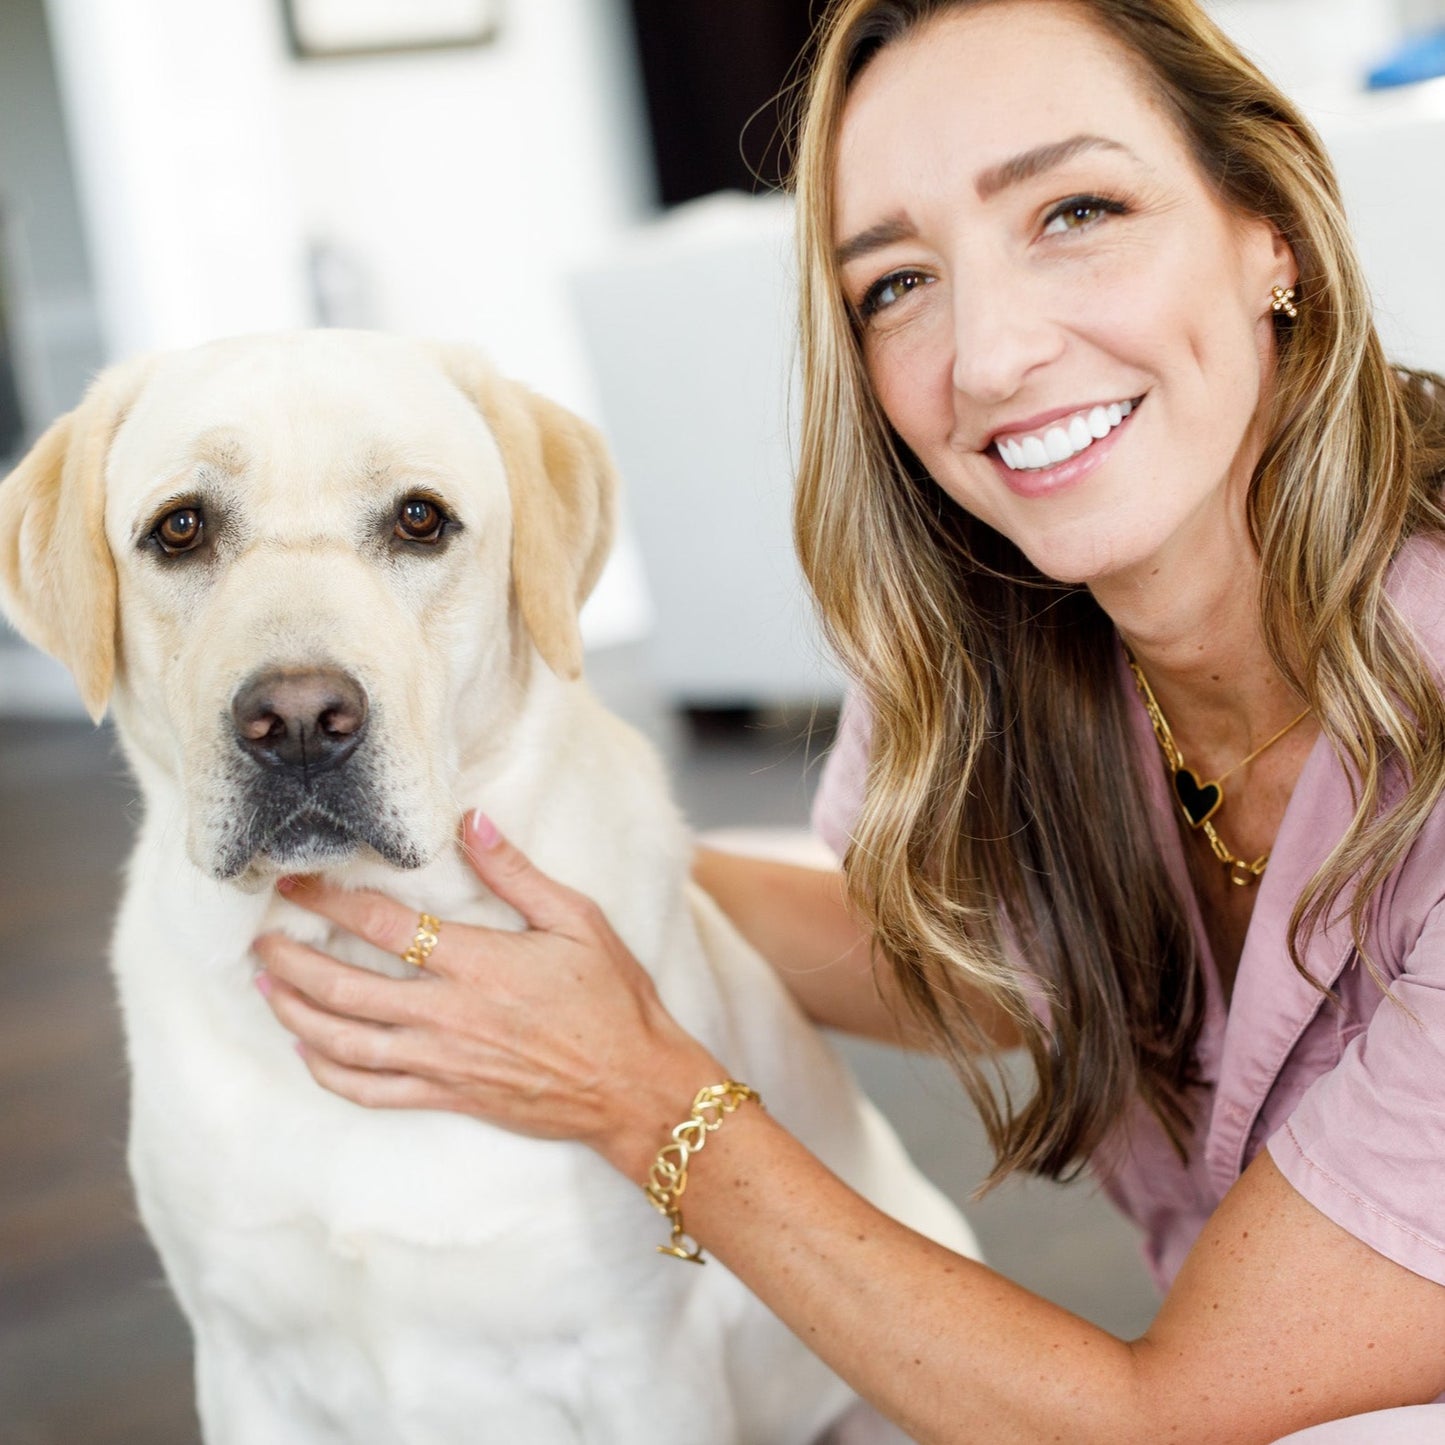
1057	444
1034	453
1064	440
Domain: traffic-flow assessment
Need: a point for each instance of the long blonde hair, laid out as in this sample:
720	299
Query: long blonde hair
1005	815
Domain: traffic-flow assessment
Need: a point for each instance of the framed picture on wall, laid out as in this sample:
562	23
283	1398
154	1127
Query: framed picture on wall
329	29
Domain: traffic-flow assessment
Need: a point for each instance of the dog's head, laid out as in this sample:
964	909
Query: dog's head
313	573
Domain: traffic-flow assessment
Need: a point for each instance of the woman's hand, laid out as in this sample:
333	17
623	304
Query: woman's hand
555	1032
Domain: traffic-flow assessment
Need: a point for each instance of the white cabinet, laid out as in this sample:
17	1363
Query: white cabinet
1389	149
689	327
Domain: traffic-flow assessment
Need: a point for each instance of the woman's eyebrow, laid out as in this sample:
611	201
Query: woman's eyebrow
885	233
1028	164
988	183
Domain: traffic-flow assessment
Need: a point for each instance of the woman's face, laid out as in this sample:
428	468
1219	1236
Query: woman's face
1059	316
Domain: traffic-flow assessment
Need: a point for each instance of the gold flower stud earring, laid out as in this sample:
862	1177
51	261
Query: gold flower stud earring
1283	302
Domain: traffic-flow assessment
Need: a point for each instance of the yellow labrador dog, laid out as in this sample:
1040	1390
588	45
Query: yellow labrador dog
329	583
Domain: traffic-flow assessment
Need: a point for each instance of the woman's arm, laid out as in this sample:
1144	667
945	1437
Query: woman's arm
1279	1319
800	921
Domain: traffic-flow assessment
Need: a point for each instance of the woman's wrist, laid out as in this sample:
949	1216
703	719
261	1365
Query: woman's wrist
649	1108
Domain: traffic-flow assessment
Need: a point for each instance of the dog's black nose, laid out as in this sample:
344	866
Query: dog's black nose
311	720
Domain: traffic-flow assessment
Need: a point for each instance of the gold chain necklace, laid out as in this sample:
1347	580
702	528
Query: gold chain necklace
1199	802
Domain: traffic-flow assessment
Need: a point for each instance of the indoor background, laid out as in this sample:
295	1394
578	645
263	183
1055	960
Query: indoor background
582	188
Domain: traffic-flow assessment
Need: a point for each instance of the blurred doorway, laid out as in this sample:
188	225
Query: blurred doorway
12	421
714	77
50	340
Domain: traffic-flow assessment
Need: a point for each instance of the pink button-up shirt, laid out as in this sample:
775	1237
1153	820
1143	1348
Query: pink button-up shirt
1349	1099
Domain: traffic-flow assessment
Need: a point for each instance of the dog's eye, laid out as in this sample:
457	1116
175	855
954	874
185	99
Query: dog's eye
420	520
180	531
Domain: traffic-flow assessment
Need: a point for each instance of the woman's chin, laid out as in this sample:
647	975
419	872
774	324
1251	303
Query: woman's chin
1077	560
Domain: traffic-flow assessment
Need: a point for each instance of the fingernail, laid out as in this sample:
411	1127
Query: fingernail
287	884
484	831
300	1048
263	984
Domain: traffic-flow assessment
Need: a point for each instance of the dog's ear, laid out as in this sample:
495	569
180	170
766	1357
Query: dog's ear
57	578
564	502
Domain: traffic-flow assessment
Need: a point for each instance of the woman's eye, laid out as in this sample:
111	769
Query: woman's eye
1079	213
420	520
180	531
889	291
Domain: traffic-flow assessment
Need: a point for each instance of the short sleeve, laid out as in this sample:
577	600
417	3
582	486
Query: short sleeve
839	798
1366	1143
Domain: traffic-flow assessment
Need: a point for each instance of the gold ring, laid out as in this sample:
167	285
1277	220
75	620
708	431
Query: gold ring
428	930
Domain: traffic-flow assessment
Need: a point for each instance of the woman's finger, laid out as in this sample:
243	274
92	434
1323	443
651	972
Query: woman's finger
374	1089
542	901
379	920
339	987
351	1042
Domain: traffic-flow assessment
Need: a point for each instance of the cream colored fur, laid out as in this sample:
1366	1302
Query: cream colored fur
360	1278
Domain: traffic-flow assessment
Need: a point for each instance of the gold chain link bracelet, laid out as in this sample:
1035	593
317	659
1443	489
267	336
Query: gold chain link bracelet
667	1179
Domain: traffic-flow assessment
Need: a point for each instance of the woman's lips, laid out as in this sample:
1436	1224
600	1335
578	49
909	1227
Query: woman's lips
1070	434
1079	460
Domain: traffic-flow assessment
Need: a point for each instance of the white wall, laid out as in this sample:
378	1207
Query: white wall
174	111
1311	47
42	244
458	187
1389	152
464	186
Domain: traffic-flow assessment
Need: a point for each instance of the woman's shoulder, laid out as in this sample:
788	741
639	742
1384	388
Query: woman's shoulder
1416	893
845	772
1416	586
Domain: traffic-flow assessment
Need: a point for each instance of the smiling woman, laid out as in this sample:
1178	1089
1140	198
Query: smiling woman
1079	270
1109	498
1002	302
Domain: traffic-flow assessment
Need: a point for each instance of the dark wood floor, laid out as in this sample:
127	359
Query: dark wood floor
92	1350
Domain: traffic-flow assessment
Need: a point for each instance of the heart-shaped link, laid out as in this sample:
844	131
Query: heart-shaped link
1200	801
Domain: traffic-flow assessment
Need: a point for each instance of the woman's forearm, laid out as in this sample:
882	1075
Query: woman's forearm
1263	1334
800	920
941	1344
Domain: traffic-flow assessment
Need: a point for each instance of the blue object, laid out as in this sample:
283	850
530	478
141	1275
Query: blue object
1420	57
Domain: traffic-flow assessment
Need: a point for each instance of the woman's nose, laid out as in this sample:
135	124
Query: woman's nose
1001	334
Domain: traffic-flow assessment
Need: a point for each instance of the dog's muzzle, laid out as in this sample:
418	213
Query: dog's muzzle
307	791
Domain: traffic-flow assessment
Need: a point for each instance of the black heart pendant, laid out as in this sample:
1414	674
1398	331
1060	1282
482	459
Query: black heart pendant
1200	801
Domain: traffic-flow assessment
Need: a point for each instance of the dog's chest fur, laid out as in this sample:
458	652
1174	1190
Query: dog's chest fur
401	1260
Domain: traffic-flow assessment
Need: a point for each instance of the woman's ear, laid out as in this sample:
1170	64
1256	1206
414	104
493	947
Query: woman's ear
1281	267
